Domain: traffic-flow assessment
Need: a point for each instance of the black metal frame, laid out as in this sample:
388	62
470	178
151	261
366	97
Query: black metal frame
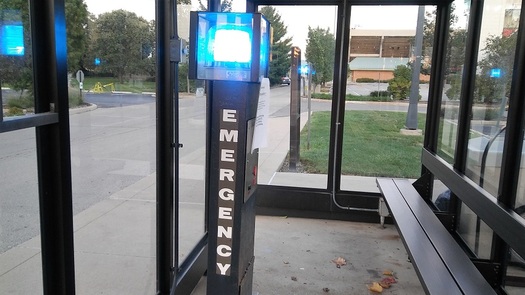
166	200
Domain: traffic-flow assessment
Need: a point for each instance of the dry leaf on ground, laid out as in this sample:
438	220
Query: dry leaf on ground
375	287
339	261
388	272
387	282
390	280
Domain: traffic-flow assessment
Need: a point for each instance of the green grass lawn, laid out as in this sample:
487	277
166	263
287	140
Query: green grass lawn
372	145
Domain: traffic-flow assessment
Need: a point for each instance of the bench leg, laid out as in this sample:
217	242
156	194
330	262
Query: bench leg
383	211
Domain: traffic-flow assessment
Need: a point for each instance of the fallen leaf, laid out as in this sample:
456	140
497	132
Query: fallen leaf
339	261
388	272
385	285
389	280
286	262
375	287
294	279
326	290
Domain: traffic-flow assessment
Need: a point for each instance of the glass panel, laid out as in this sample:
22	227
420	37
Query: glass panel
15	60
496	59
441	195
192	168
493	79
113	152
475	233
454	60
376	140
515	274
113	165
315	38
192	158
520	197
20	259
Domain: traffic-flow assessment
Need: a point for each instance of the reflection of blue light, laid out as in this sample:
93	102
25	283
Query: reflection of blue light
495	73
12	40
304	69
97	61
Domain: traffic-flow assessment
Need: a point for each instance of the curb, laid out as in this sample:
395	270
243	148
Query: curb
83	109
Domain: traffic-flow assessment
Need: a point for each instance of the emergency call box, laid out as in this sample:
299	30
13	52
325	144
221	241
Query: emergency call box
229	46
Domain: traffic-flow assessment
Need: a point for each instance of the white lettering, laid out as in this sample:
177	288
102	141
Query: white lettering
226	173
225	213
228	135
227	155
226	194
224	250
223	268
229	116
224	231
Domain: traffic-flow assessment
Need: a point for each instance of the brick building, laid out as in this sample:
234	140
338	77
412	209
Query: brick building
374	54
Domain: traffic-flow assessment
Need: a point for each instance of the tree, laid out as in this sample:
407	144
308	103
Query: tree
320	52
280	60
399	86
455	56
497	54
77	35
123	42
226	5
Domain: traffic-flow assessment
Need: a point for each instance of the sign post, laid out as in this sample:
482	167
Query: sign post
295	109
231	50
80	79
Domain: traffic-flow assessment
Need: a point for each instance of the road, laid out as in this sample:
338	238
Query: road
113	147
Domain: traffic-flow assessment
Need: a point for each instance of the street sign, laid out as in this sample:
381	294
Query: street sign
80	76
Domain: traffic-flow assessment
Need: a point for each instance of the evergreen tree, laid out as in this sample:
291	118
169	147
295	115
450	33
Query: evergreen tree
280	48
399	86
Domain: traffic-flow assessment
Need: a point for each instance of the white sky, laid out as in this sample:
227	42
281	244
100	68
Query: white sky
363	17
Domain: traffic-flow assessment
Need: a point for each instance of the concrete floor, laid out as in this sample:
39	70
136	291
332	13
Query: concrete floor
294	256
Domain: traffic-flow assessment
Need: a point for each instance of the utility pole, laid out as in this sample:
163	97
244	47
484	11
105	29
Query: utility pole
411	121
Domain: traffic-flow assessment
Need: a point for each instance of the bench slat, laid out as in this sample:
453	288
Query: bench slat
429	266
460	266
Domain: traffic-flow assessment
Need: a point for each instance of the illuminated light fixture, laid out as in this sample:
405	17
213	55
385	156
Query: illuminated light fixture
12	39
229	46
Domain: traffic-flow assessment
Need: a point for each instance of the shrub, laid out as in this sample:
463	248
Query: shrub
24	102
382	93
400	85
365	80
489	113
14	111
322	95
74	98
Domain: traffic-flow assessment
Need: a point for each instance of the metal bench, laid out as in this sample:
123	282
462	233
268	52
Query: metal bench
441	264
